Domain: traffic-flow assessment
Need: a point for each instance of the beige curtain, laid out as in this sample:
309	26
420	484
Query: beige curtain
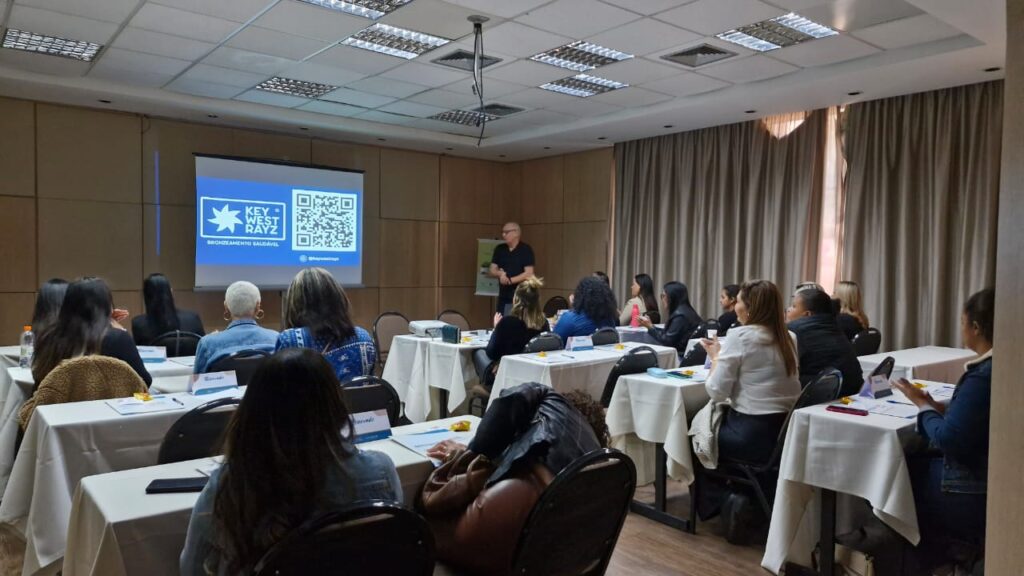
922	188
720	205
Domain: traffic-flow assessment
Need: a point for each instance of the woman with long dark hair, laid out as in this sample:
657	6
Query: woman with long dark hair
727	300
641	296
162	316
682	320
84	327
48	301
316	316
288	455
593	307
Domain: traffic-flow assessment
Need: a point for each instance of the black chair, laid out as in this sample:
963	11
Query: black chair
385	328
867	342
243	362
605	335
554	304
638	360
178	343
198	433
369	393
480	394
697	355
370	537
573	528
544	342
654	316
455	318
824	388
884	368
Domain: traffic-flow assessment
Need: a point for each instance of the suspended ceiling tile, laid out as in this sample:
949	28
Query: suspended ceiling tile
247	61
202	88
519	40
685	84
357	98
635	71
632	97
332	108
275	43
303	19
412	109
161	44
824	51
217	74
312	72
108	11
749	69
436	18
387	87
235	10
503	8
424	74
710	17
271	98
357	60
643	36
577	18
40	21
530	73
168	20
907	32
445	98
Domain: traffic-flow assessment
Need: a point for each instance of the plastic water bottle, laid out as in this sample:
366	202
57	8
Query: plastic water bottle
28	341
712	335
634	316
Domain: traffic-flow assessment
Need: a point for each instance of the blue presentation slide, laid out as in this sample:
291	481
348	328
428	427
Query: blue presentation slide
268	224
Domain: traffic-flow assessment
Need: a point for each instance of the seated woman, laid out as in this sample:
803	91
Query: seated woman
727	299
161	314
48	301
852	318
642	297
593	307
478	501
756	370
316	316
242	305
513	332
288	456
682	319
950	484
85	326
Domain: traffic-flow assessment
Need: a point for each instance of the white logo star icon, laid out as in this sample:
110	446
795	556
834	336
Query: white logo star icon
225	218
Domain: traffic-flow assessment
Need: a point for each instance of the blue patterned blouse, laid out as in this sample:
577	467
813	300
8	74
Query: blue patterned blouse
352	358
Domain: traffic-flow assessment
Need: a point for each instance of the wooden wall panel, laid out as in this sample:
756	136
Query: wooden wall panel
15	312
458	252
467	190
508	193
409	185
17	147
584	250
415	303
408	253
365	306
546	241
542	190
588	185
88	155
173	253
18	244
479	310
91	239
167	151
264	146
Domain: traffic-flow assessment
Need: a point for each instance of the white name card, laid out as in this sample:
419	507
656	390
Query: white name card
369	426
212	382
153	353
876	387
580	343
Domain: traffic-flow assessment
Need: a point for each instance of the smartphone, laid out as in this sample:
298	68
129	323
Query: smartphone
846	410
174	485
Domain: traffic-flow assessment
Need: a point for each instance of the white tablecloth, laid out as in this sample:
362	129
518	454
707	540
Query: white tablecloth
416	364
936	363
567	371
63	444
11	399
657	411
116	529
857	455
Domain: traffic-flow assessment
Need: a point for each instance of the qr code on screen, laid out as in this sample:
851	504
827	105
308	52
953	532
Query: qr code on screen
324	221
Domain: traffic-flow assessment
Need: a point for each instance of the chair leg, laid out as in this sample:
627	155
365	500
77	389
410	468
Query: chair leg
758	491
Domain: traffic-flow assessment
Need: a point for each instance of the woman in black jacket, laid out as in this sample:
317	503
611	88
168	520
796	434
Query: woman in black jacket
682	319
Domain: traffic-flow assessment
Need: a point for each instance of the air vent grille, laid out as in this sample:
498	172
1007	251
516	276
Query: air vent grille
500	110
699	56
463	60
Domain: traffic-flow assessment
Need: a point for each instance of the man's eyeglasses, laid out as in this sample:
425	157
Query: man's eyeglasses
503	232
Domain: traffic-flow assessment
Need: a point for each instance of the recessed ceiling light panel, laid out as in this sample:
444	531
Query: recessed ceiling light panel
291	87
464	117
581	56
583	85
777	33
50	45
394	41
372	9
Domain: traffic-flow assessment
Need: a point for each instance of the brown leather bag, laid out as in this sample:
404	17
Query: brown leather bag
455	484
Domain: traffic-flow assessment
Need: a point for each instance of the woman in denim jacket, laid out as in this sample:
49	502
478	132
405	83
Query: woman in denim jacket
950	486
288	456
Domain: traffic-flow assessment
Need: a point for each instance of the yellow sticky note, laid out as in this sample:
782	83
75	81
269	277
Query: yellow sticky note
143	396
620	347
919	385
542	354
846	400
688	372
460	426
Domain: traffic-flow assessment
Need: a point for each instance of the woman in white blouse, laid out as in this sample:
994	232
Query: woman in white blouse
755	370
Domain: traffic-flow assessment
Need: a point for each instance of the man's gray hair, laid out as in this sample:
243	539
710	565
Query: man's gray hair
241	299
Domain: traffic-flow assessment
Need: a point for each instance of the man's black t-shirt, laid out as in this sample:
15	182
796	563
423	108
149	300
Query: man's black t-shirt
513	262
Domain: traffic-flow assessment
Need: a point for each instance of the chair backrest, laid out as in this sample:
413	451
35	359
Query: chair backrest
867	342
654	316
638	360
455	318
824	388
83	378
884	367
606	335
385	327
544	342
243	362
369	393
367	537
573	528
199	432
178	343
554	304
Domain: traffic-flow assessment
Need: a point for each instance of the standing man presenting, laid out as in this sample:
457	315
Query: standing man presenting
511	263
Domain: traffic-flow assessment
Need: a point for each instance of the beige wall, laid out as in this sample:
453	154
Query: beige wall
1004	555
82	190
